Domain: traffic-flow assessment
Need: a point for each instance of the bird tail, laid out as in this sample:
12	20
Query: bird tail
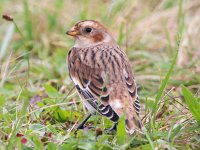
132	124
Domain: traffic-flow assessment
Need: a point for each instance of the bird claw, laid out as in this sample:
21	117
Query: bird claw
80	126
113	129
110	130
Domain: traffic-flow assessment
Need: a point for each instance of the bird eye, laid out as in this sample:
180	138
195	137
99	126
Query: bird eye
88	30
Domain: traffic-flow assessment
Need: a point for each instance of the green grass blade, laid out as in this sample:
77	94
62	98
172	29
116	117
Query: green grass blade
149	139
28	22
121	133
164	83
192	103
18	124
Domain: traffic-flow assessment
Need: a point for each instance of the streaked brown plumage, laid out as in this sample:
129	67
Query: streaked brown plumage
102	74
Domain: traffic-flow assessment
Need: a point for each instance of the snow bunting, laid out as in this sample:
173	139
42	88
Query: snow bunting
102	75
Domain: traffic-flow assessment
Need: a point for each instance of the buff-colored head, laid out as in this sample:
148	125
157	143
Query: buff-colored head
89	33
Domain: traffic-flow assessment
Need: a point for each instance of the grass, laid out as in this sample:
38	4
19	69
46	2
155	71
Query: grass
39	109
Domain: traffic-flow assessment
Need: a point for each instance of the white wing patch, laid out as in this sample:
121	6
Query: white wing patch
116	104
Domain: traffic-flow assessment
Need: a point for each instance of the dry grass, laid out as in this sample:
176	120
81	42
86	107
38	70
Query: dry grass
34	80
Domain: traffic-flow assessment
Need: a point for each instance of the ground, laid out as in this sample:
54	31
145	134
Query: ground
39	108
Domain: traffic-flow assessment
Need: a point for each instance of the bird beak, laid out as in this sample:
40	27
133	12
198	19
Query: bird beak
72	32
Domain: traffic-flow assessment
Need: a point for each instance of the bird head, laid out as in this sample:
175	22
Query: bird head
89	33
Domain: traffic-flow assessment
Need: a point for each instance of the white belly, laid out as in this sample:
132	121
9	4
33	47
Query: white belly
87	105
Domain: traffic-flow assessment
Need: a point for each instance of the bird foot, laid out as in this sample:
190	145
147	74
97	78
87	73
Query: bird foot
80	126
111	130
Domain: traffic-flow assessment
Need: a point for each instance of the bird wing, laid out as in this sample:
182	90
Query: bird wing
89	80
131	86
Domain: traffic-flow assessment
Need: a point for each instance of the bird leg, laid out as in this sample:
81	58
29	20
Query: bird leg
81	125
112	129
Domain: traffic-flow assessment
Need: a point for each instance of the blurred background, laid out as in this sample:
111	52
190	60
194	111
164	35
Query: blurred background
34	46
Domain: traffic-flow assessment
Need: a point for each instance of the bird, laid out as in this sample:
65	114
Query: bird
102	75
